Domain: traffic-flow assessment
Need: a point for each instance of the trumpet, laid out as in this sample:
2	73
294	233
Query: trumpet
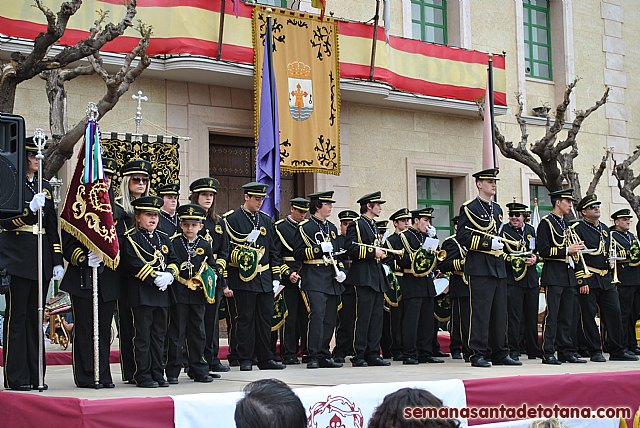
340	276
573	238
399	253
613	259
440	254
517	244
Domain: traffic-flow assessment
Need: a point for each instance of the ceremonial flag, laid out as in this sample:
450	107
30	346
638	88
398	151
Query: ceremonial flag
489	158
535	217
268	154
319	4
87	214
236	7
386	15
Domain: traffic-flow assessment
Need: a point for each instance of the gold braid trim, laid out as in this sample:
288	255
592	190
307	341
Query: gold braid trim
470	215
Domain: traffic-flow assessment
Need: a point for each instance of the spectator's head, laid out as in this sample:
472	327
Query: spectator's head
269	403
547	423
391	412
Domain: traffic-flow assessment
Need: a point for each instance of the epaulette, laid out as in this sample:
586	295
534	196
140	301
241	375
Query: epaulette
450	237
162	232
227	213
279	221
306	220
468	202
131	231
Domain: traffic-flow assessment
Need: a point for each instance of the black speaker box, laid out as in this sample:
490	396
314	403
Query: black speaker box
12	163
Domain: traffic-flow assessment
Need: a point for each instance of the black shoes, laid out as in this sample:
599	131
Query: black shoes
340	360
172	380
219	367
441	354
514	356
480	362
571	359
291	361
410	361
598	358
246	366
21	388
212	374
430	360
270	365
234	363
148	384
205	379
313	363
551	359
507	361
456	355
623	356
162	383
635	350
378	362
359	362
328	363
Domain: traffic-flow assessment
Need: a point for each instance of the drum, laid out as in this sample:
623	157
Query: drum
442	285
442	304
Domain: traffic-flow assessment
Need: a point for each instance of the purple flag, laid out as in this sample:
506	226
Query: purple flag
268	155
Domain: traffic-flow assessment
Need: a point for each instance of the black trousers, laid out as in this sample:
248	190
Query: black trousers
368	323
212	329
558	321
125	335
522	306
460	318
295	325
417	327
232	314
488	329
21	333
321	323
346	324
609	304
252	325
150	329
187	322
83	340
391	342
630	310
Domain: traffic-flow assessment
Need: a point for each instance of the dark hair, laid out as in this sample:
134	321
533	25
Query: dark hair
211	212
391	412
269	403
314	206
364	207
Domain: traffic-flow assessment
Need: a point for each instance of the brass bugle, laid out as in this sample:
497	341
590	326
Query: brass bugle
440	254
399	253
499	238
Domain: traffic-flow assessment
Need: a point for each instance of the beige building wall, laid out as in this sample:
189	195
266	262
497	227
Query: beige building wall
385	148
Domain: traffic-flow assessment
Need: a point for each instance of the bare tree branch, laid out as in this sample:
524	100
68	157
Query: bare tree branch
627	181
597	172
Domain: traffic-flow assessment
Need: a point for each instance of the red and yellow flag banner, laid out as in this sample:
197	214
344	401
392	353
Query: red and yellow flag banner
305	69
191	27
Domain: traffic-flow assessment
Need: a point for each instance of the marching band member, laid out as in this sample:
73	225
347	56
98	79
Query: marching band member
628	271
370	280
314	245
78	282
558	278
252	236
596	290
477	229
151	265
187	311
347	313
168	217
18	244
418	292
453	264
401	220
135	184
522	284
203	193
295	324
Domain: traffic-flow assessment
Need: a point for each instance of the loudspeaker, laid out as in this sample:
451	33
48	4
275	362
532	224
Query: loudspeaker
12	163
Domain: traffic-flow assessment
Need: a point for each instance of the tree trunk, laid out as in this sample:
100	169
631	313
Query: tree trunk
8	86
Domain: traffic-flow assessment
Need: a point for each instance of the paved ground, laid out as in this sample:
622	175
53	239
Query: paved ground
60	378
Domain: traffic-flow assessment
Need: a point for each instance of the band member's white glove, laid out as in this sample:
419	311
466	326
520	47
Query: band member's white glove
431	232
94	260
37	202
496	244
58	272
341	276
163	279
327	247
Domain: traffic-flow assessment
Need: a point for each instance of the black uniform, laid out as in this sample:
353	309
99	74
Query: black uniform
418	293
558	278
629	286
321	289
187	310
19	255
216	235
522	293
453	264
396	308
602	294
169	224
251	307
347	310
487	279
125	315
370	280
295	324
77	281
144	254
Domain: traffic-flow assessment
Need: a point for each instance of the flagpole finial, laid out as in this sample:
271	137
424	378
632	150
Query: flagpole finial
269	11
514	199
490	57
39	139
92	111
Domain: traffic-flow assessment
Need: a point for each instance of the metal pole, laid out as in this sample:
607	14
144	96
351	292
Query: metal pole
375	40
221	28
493	120
40	139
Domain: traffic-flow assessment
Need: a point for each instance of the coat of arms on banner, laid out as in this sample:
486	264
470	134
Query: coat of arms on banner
300	90
335	412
